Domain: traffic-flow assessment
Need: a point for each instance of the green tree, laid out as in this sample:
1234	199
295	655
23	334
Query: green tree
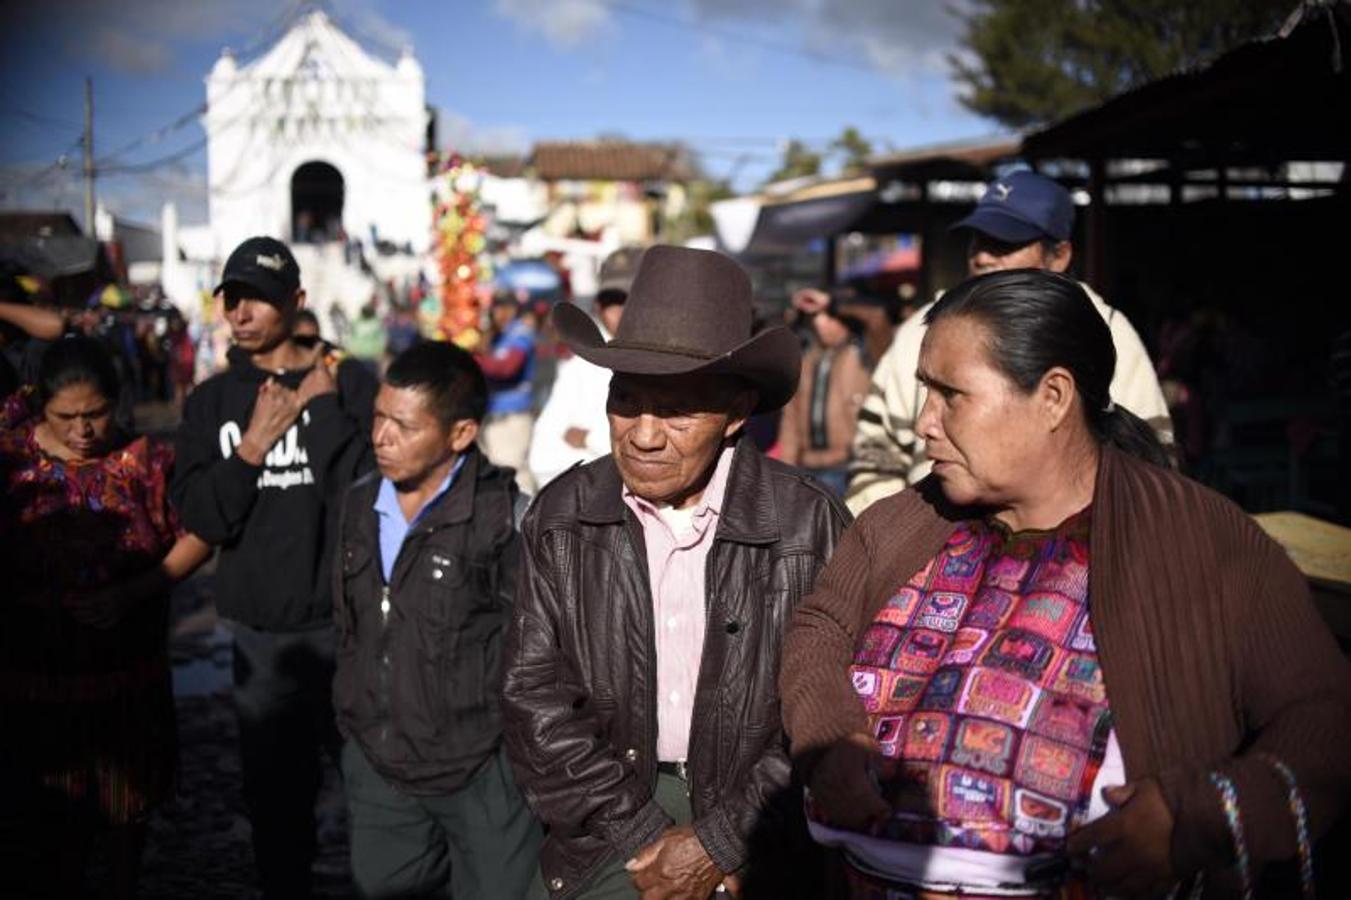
798	162
1030	62
853	149
697	218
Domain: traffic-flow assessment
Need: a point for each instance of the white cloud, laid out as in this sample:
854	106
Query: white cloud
899	37
565	23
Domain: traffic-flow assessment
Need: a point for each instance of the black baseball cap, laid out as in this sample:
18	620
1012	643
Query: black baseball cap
265	265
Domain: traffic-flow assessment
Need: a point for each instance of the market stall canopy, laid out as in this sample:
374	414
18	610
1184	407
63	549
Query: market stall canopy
51	257
37	223
925	189
820	210
734	222
46	244
1268	101
960	161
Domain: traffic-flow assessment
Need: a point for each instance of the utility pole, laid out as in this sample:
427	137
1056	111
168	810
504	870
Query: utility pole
89	155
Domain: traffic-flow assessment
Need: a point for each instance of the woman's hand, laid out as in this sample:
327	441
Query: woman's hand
1126	852
844	787
105	607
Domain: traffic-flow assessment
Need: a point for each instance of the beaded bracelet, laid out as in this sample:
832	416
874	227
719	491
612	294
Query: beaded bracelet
1229	801
1295	800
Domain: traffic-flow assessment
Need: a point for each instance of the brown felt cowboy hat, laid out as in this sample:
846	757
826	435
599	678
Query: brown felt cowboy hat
689	312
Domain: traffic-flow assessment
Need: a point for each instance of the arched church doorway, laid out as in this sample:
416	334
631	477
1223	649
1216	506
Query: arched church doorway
316	203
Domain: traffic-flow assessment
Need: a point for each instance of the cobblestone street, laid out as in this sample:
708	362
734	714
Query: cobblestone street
199	842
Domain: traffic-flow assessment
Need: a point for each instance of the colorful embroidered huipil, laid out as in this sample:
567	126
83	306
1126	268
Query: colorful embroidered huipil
87	711
982	683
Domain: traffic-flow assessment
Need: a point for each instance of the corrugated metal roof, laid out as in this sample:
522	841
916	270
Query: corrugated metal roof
1269	100
982	152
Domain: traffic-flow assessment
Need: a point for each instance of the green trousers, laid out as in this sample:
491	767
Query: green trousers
612	880
478	843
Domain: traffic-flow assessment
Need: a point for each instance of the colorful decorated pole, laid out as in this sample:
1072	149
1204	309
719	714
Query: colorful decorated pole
453	311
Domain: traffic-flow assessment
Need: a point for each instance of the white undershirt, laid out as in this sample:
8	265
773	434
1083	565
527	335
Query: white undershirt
992	873
680	521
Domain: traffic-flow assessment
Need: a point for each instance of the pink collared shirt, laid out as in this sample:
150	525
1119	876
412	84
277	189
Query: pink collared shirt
677	555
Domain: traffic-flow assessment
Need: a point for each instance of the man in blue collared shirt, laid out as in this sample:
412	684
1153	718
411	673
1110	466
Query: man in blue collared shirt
423	590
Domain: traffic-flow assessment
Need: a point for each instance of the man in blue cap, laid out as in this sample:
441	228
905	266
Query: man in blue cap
1023	221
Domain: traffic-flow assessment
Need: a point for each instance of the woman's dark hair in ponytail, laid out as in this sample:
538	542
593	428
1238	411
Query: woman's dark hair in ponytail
1037	320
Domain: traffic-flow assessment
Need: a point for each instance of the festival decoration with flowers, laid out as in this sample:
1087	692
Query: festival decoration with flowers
453	311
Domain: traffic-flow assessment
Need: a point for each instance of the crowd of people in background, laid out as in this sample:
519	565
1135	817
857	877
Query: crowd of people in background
611	629
148	338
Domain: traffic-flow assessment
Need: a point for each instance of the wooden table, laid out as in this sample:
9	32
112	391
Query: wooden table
1322	551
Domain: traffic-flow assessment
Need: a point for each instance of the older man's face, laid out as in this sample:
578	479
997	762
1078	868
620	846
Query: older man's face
666	431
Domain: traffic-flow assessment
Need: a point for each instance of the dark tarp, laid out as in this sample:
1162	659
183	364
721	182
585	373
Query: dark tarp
51	257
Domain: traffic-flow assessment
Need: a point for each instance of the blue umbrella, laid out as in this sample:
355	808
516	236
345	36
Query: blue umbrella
533	275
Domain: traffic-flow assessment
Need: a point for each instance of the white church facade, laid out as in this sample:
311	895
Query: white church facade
322	144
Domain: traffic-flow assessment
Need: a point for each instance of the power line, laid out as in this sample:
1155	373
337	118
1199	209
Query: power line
270	32
38	118
61	162
154	163
157	135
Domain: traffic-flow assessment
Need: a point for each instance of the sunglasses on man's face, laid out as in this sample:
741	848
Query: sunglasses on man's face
232	295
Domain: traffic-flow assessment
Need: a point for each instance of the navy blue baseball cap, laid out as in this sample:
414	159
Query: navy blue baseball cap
264	265
1021	208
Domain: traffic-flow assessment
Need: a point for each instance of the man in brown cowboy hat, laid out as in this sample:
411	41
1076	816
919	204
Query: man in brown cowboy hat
642	714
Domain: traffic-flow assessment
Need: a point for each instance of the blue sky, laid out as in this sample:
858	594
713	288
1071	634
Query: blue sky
733	78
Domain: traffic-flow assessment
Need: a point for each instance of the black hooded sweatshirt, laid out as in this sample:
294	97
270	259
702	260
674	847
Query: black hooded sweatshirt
275	523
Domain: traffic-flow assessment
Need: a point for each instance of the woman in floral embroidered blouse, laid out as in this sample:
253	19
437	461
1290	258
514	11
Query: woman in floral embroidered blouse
89	547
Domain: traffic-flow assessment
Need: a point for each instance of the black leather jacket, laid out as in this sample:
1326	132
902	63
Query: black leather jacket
580	687
419	660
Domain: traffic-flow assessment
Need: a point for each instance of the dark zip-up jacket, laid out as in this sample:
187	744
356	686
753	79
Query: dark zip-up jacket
274	523
419	659
580	691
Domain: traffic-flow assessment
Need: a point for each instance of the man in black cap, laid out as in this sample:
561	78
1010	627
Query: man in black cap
641	699
1024	220
265	450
